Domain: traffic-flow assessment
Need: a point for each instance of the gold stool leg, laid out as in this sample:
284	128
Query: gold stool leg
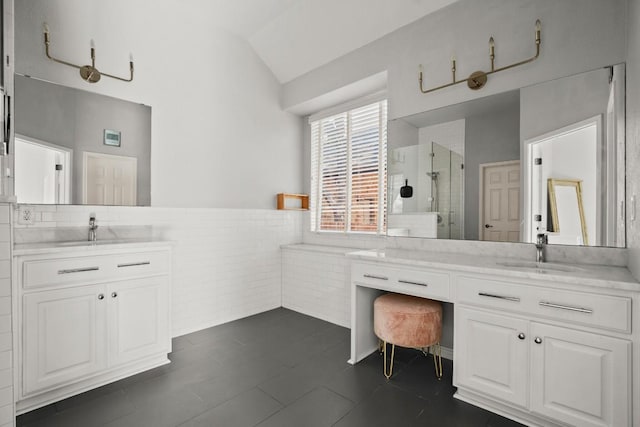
437	361
384	354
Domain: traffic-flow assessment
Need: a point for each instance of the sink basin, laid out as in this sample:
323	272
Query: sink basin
539	266
88	243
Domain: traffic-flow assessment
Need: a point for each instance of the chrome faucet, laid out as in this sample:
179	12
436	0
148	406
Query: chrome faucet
93	229
541	240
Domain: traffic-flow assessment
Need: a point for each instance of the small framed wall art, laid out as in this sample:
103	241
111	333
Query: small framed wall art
112	138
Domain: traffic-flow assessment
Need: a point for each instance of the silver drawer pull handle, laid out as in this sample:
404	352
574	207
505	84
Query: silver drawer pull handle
484	294
78	270
566	307
371	276
409	282
134	264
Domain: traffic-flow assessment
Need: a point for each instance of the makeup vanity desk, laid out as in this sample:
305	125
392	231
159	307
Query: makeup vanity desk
550	346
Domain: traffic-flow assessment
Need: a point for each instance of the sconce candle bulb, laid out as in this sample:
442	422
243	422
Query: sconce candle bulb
538	28
492	52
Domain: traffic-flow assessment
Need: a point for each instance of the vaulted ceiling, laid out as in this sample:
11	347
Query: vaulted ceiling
294	37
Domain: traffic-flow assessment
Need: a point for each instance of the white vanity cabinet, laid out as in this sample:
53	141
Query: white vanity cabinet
89	317
508	350
540	347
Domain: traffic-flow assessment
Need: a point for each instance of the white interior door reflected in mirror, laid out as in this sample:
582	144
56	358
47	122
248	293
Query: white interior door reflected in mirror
109	180
567	225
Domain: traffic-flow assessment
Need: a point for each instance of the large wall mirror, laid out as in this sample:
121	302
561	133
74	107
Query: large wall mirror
480	170
78	147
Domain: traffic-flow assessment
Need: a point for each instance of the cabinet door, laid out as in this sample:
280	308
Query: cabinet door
138	319
491	355
64	336
580	378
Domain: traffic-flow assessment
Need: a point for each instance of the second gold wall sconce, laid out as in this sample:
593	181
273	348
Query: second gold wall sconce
89	73
478	79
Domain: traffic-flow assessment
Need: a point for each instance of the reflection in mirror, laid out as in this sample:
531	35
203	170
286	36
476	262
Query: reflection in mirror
78	147
479	169
568	225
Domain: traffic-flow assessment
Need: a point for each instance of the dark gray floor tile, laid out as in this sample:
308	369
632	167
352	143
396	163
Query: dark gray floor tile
498	421
453	412
296	382
96	412
297	352
242	372
244	410
388	406
320	407
217	390
356	383
419	378
32	418
169	382
181	343
168	410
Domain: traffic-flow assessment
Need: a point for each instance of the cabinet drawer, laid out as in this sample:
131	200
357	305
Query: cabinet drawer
59	271
89	269
602	311
491	293
597	310
142	264
420	282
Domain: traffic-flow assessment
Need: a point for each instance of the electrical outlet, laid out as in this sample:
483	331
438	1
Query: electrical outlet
26	215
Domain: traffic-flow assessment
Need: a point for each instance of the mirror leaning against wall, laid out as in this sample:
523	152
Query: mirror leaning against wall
78	147
480	169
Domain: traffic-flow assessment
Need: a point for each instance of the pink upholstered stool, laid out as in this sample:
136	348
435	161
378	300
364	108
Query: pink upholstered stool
408	321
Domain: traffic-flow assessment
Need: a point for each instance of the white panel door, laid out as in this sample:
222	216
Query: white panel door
138	319
109	180
500	202
64	336
580	378
491	355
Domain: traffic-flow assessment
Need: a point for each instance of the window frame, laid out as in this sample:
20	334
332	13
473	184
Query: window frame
316	151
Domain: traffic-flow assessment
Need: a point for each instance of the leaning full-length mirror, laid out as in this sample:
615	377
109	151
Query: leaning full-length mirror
78	147
479	169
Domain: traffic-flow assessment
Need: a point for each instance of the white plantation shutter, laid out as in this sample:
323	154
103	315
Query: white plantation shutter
348	170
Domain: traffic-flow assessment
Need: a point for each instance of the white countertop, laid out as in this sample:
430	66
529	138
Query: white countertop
581	274
60	247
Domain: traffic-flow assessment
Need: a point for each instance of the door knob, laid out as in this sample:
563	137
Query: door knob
101	296
538	340
521	336
488	226
114	294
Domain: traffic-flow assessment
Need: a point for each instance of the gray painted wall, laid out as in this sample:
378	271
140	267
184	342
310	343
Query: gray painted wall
489	138
570	44
76	119
558	103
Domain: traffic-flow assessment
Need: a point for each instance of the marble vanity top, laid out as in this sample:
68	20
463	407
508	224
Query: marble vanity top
580	274
58	247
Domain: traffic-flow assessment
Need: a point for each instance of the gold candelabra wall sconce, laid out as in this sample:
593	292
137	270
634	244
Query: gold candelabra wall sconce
89	73
478	79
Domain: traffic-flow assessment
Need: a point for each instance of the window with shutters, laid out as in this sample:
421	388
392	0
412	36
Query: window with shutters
349	169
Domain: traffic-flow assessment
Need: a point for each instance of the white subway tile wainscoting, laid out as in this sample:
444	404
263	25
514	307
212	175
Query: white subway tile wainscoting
226	261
